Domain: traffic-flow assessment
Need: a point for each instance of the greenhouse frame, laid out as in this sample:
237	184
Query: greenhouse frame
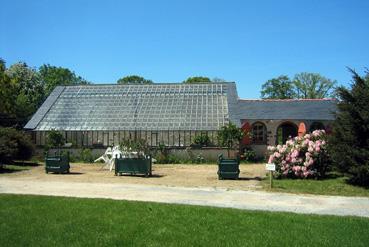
172	114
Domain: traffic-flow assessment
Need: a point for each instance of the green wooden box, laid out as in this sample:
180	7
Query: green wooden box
134	166
57	163
228	168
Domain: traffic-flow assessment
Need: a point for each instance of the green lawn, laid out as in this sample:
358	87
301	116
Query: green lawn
56	221
333	186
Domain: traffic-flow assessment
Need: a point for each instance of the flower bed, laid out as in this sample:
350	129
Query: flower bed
301	157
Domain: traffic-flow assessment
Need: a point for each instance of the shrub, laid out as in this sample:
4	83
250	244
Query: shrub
202	140
14	145
86	156
138	145
55	139
249	155
301	157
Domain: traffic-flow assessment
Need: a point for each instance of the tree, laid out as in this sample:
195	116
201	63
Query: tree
349	145
53	76
229	136
313	86
197	79
25	91
134	79
278	88
7	90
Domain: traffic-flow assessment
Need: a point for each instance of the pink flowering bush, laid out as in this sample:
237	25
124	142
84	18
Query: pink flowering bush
301	157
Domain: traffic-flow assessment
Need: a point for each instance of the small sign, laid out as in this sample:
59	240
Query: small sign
270	167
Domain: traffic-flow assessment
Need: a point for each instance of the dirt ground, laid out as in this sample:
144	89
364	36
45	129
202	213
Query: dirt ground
168	175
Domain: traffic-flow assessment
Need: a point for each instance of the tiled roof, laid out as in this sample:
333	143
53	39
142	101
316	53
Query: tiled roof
301	109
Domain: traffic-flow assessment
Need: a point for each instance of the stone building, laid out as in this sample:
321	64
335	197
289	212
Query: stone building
272	122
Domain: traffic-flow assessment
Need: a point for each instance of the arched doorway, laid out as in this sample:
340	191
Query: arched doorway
285	131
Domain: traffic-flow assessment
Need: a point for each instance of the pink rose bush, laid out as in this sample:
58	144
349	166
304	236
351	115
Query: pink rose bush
301	157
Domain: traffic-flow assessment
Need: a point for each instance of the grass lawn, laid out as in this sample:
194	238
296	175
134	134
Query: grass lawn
333	186
56	221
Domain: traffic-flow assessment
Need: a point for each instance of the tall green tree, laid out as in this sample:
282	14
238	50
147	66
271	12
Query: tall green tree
28	93
349	142
197	79
28	82
134	79
313	86
7	90
53	76
278	88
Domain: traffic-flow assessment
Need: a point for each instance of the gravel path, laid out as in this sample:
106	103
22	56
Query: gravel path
206	196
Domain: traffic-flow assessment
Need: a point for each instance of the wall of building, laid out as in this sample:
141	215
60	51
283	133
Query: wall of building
209	154
271	128
94	139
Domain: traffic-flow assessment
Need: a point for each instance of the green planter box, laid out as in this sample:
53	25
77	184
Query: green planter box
133	166
228	168
57	163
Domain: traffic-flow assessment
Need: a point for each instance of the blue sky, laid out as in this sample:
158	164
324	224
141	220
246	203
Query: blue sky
247	42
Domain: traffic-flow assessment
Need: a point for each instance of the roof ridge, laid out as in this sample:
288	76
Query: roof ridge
148	84
288	100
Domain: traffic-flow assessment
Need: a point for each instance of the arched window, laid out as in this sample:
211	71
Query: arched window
285	131
316	126
259	133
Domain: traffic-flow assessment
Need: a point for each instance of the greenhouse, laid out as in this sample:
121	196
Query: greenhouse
172	114
104	115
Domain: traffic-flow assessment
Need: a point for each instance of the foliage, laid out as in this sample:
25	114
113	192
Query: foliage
55	139
129	223
350	139
313	86
197	79
14	145
85	155
138	145
28	82
134	79
278	88
7	91
217	79
230	135
202	140
161	154
303	86
22	91
53	76
301	157
249	155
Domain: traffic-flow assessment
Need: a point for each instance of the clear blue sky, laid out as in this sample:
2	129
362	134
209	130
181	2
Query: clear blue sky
167	41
